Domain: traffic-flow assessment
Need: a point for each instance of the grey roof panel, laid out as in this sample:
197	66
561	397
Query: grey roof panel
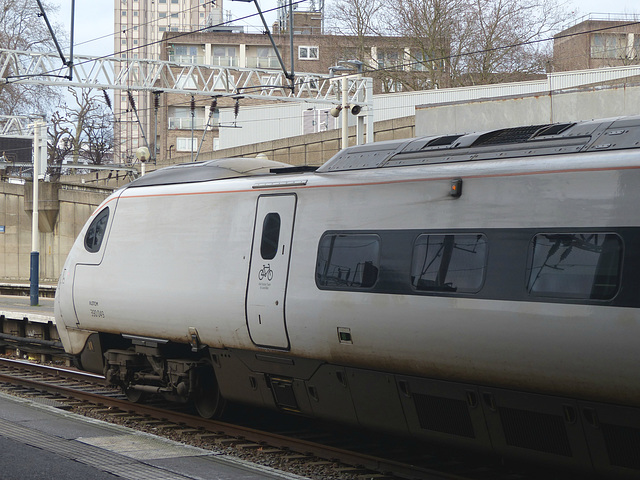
521	141
208	171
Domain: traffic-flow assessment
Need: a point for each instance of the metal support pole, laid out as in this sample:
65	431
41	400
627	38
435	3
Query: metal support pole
34	272
360	118
345	113
289	75
156	104
369	94
291	44
193	121
212	111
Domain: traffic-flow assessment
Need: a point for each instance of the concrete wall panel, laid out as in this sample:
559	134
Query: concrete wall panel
492	113
74	208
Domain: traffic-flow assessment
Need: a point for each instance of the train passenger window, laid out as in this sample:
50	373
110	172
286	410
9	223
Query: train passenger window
574	265
348	261
95	234
270	236
449	263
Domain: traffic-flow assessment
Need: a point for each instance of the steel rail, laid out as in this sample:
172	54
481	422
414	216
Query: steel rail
53	370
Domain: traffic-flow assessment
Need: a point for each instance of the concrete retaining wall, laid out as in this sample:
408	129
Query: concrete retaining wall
65	209
312	149
601	101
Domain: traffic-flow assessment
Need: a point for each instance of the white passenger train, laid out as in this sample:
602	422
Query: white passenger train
480	290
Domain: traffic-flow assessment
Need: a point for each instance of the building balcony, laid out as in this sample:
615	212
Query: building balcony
263	62
187	59
224	61
182	123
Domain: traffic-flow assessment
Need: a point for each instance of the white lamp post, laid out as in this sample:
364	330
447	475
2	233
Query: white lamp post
143	155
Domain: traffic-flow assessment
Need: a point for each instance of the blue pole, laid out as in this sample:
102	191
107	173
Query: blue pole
34	278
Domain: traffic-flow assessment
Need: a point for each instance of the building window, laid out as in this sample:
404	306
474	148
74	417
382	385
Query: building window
449	263
135	14
307	53
266	52
574	265
174	15
186	144
388	58
609	45
188	54
162	14
348	261
124	13
180	118
224	56
265	58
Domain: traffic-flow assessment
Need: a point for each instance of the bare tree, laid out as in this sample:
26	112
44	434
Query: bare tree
83	131
356	18
506	36
356	21
444	43
97	136
86	106
22	28
434	33
58	144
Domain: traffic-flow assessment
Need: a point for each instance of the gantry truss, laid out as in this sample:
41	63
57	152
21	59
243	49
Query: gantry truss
113	73
17	126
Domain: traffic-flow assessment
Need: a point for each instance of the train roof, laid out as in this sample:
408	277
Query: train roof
527	141
550	139
209	170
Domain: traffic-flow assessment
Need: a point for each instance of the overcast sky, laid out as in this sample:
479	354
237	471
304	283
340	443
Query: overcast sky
94	18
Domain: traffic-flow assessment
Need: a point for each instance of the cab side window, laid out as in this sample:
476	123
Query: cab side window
95	234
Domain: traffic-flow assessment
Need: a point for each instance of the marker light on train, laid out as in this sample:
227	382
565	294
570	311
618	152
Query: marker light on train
455	190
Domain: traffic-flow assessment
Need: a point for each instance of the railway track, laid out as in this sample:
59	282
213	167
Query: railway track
281	441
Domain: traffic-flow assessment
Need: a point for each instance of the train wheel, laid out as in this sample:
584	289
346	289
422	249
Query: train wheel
207	400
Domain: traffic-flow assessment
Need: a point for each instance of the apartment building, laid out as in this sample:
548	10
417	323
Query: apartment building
598	40
183	121
139	29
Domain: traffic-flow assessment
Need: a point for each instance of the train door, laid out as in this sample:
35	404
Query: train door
269	270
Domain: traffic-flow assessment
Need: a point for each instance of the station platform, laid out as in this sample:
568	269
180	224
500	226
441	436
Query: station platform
19	307
40	442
